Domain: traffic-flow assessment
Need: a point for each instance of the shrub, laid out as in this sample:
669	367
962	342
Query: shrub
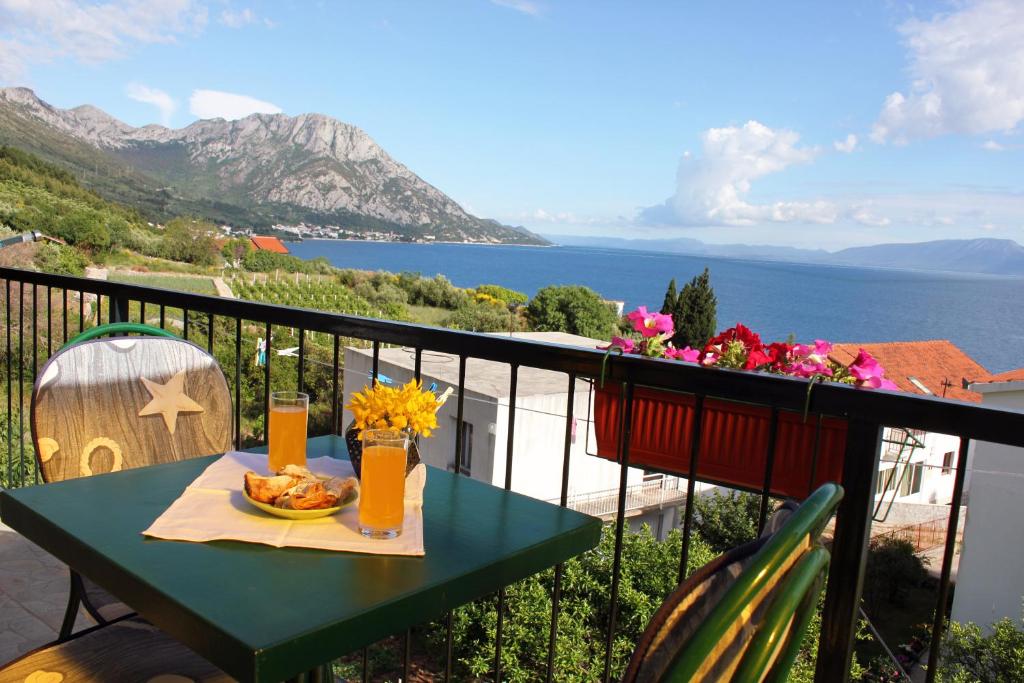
726	520
571	308
507	296
484	317
969	655
61	260
893	569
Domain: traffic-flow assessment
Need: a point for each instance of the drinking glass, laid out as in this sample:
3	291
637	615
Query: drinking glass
289	413
382	484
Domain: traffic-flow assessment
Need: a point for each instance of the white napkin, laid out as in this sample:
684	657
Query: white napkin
212	508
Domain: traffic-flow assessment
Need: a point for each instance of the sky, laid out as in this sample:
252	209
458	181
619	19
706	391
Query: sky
790	123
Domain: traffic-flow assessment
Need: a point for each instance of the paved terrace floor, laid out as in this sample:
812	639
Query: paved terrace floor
33	594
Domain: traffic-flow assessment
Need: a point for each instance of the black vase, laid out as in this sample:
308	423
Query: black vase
355	452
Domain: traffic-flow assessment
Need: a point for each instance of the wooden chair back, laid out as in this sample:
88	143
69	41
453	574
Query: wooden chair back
110	404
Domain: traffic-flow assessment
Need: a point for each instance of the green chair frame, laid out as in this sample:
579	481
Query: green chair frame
776	642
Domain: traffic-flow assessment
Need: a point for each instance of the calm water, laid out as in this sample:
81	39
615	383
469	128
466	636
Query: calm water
982	315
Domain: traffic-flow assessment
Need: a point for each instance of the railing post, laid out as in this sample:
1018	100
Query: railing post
118	309
849	552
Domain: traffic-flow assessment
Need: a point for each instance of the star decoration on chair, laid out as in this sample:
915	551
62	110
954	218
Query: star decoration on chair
169	400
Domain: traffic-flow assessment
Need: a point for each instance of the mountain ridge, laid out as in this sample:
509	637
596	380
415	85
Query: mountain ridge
260	169
982	255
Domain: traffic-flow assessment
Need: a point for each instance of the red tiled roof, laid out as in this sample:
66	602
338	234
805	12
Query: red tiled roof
1008	376
938	364
269	244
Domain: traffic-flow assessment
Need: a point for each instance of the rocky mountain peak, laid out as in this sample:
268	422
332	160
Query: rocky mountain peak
278	167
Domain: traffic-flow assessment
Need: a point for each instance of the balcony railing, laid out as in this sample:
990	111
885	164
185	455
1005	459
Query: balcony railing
648	495
41	311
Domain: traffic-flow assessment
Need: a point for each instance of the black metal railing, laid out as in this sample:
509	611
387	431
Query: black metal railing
222	324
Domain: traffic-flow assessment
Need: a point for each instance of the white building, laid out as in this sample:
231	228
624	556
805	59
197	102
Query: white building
540	425
919	467
990	581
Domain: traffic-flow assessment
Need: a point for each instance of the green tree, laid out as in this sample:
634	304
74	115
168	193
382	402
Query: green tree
671	299
649	572
970	655
236	248
893	568
695	313
85	229
571	308
188	240
726	520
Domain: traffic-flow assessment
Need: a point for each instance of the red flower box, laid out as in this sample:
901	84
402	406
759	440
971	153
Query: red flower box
733	441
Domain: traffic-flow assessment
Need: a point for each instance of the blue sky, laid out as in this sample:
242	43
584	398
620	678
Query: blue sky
810	124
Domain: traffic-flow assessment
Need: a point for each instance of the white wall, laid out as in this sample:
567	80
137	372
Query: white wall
936	485
990	580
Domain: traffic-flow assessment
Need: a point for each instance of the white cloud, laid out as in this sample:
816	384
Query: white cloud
992	146
44	30
213	104
967	70
864	216
524	6
164	103
243	17
711	188
846	146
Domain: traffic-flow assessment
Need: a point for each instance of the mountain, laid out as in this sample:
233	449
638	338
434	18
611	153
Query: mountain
685	245
253	172
982	255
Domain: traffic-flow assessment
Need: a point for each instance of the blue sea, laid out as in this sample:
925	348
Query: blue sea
983	315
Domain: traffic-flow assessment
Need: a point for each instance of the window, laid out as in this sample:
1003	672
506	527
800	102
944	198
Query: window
947	462
888	479
910	482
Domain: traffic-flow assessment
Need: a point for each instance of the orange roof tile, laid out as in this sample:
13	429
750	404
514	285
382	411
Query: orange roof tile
1008	376
938	364
269	244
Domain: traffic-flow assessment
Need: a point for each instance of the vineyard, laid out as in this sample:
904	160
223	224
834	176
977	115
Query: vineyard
325	294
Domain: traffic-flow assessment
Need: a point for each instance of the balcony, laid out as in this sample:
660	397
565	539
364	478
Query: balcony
42	311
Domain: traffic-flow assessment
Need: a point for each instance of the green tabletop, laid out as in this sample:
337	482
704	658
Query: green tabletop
266	614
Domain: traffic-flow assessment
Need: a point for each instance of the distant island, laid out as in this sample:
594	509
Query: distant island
985	256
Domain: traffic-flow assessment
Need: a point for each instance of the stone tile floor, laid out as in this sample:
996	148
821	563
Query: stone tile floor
33	594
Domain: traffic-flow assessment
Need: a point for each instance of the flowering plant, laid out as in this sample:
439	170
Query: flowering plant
741	348
407	408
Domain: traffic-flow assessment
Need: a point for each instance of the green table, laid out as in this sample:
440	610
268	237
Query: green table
266	614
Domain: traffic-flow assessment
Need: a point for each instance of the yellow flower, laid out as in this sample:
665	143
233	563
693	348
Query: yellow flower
384	407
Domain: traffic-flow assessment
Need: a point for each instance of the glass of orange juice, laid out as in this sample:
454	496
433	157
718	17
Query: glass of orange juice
289	413
382	483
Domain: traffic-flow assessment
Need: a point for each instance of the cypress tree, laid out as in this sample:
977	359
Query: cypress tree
695	313
671	299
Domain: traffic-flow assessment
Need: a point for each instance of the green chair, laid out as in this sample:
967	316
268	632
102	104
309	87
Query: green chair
742	616
109	404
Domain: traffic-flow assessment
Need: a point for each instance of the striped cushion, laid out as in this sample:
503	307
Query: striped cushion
128	651
692	602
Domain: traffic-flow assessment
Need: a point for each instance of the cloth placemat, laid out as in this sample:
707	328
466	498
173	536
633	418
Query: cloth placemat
212	509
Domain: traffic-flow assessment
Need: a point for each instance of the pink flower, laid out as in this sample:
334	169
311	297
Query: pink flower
650	324
868	373
709	359
627	345
689	355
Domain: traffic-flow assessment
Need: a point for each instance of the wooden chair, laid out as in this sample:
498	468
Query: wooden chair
129	650
742	616
102	405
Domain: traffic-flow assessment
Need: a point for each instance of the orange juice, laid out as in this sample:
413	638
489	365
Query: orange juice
287	436
382	489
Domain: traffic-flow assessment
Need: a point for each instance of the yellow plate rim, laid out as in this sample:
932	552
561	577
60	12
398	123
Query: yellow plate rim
316	513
